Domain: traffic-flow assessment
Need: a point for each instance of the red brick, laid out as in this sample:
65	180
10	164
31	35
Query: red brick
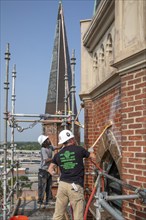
140	85
127	77
139	119
128	154
128	165
135	137
127	143
141	96
140	74
135	81
135	103
128	132
135	126
140	131
139	108
141	214
141	178
127	89
127	99
142	155
134	114
130	109
136	172
136	149
135	160
144	101
134	92
128	210
136	184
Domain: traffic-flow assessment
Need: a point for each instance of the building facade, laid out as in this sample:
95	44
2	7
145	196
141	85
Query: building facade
113	88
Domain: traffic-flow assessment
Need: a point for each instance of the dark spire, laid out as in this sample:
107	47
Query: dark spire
60	69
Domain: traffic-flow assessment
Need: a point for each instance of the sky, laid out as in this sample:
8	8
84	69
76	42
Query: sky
29	28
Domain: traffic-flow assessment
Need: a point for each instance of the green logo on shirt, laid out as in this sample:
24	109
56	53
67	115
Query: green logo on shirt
68	160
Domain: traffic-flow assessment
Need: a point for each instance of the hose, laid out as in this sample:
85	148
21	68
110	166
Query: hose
90	198
94	189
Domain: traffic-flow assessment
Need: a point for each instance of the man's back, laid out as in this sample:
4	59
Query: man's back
70	162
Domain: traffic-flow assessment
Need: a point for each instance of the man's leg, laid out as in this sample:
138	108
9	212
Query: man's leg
61	202
48	189
77	202
42	181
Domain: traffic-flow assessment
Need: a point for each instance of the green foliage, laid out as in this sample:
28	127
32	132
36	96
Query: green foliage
27	146
25	182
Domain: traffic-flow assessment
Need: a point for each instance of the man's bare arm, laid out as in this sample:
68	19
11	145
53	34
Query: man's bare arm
51	169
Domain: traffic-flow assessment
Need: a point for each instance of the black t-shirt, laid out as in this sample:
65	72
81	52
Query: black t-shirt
70	162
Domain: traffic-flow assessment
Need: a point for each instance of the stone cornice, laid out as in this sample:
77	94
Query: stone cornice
99	24
110	83
132	63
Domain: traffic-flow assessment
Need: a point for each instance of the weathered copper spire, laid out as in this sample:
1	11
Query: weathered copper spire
60	74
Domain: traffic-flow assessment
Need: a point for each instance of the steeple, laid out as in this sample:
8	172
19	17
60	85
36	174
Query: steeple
60	73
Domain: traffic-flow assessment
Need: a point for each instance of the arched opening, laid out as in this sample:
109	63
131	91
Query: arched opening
111	187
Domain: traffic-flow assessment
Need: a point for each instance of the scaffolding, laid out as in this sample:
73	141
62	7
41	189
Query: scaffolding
12	120
102	198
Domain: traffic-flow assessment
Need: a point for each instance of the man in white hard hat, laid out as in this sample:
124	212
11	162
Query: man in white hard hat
44	178
70	189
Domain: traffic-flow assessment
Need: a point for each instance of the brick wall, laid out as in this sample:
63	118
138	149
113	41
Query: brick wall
133	90
125	105
98	113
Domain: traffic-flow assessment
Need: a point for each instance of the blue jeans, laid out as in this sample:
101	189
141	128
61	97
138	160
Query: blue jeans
44	185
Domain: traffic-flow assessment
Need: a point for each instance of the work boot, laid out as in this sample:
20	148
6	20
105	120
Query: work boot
39	202
46	203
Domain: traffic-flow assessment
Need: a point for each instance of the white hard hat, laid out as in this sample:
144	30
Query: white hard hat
64	136
42	138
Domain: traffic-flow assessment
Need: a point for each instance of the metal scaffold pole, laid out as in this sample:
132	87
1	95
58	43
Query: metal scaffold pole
65	95
12	130
6	87
73	90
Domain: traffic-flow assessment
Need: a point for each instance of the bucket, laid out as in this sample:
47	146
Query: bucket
19	217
